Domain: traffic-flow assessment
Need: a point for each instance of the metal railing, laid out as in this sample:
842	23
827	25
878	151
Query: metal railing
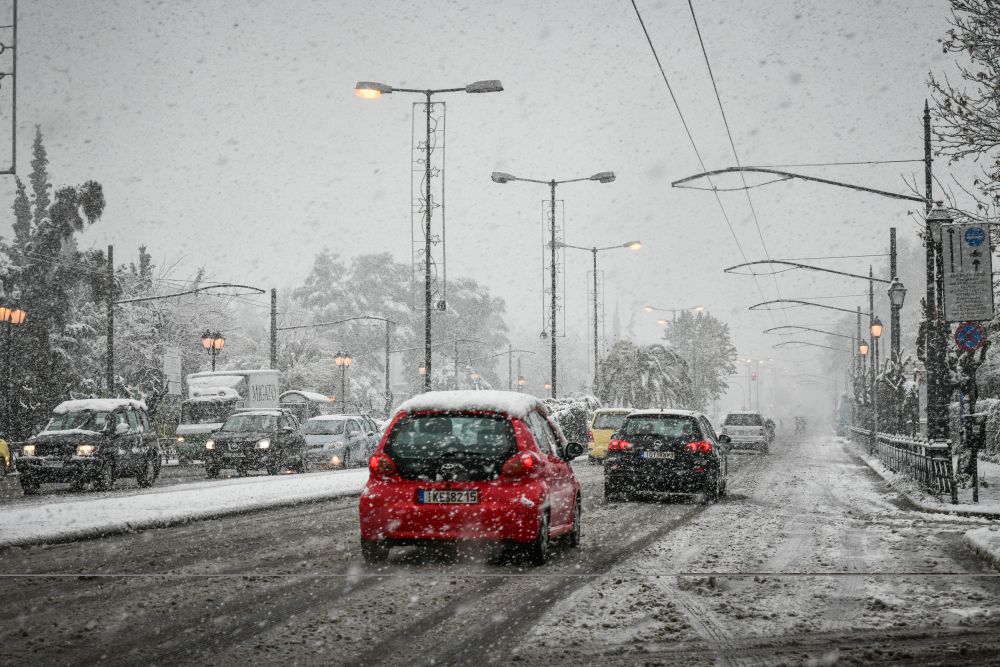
928	463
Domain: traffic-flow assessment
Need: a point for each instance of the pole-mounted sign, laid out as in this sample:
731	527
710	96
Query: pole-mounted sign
968	272
970	336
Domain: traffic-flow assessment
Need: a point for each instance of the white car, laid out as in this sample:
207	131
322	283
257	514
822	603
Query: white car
340	441
746	431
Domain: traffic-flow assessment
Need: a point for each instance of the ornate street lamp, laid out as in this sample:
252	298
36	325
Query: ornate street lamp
343	360
213	344
863	348
11	316
897	293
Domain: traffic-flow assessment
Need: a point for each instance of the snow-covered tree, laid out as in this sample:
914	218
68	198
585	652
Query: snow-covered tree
703	342
651	376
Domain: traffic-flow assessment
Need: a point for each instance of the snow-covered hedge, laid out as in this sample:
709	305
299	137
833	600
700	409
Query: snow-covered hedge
991	408
573	414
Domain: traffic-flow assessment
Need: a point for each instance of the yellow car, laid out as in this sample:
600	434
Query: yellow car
602	426
4	457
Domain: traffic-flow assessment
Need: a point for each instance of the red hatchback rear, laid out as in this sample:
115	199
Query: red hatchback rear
483	465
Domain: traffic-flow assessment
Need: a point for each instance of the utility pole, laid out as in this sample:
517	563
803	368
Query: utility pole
935	429
510	361
274	328
871	320
894	310
427	252
552	270
109	379
596	375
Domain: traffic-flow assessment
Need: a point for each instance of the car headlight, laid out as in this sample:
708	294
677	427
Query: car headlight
85	450
28	450
210	444
263	443
180	438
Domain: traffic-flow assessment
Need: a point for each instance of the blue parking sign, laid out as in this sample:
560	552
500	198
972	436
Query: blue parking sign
975	236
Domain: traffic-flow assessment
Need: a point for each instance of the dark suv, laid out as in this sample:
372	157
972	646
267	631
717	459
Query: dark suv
254	440
92	440
666	451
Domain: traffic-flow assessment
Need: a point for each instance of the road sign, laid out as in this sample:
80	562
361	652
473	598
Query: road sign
970	336
968	272
172	369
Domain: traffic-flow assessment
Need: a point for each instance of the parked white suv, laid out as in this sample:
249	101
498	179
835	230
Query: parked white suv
746	430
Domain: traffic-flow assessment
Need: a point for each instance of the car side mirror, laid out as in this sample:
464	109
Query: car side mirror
121	429
287	429
725	439
573	450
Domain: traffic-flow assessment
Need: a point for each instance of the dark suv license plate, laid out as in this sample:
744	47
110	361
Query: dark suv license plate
448	496
657	455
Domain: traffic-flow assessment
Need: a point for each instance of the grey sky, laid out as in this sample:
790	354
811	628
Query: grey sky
226	134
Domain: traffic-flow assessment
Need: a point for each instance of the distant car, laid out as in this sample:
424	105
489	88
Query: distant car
482	465
255	440
666	451
746	431
602	426
92	440
342	441
4	457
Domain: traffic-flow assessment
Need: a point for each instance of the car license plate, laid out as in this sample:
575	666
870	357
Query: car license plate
448	496
657	455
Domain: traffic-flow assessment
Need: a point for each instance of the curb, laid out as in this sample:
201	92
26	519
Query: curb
990	556
851	448
153	524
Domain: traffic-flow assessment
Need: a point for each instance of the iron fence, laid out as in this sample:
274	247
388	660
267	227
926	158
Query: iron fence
929	464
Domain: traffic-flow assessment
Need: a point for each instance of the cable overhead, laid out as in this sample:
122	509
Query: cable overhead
694	146
732	144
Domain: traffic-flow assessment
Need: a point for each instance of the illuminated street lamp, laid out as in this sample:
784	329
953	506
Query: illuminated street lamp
600	177
372	90
213	344
343	361
521	382
11	316
863	348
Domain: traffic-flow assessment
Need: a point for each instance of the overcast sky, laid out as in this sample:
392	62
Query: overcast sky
227	135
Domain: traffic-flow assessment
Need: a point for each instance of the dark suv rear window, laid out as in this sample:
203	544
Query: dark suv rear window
663	426
456	447
743	420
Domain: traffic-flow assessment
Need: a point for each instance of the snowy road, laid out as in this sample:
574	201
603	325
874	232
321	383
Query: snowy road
809	558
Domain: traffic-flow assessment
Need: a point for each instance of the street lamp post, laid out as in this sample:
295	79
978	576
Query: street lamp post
600	177
631	245
343	361
213	344
372	90
876	331
11	316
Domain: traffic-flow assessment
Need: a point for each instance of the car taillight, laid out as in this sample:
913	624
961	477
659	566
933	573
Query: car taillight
519	465
619	445
699	447
381	465
590	436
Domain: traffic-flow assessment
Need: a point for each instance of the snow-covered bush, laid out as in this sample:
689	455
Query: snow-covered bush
573	414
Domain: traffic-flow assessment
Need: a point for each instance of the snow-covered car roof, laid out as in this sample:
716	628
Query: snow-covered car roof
627	410
273	412
743	412
664	411
508	402
313	396
97	405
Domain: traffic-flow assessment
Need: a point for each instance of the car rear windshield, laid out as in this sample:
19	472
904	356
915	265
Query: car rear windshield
455	447
663	426
743	420
324	427
206	412
609	420
251	423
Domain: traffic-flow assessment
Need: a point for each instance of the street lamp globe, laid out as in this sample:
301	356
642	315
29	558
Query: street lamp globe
422	371
633	245
206	340
548	385
218	342
521	381
648	309
863	348
501	177
663	322
17	316
603	177
371	90
938	216
897	293
5	313
876	328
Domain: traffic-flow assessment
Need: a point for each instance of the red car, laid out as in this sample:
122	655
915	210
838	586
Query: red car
471	465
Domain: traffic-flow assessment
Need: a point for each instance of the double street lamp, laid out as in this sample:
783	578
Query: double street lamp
371	90
600	177
343	361
11	316
213	342
631	245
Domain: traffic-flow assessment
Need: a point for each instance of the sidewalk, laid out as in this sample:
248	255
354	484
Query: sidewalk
72	518
989	496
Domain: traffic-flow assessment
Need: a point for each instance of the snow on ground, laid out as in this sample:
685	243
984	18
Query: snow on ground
989	495
986	543
75	517
808	541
